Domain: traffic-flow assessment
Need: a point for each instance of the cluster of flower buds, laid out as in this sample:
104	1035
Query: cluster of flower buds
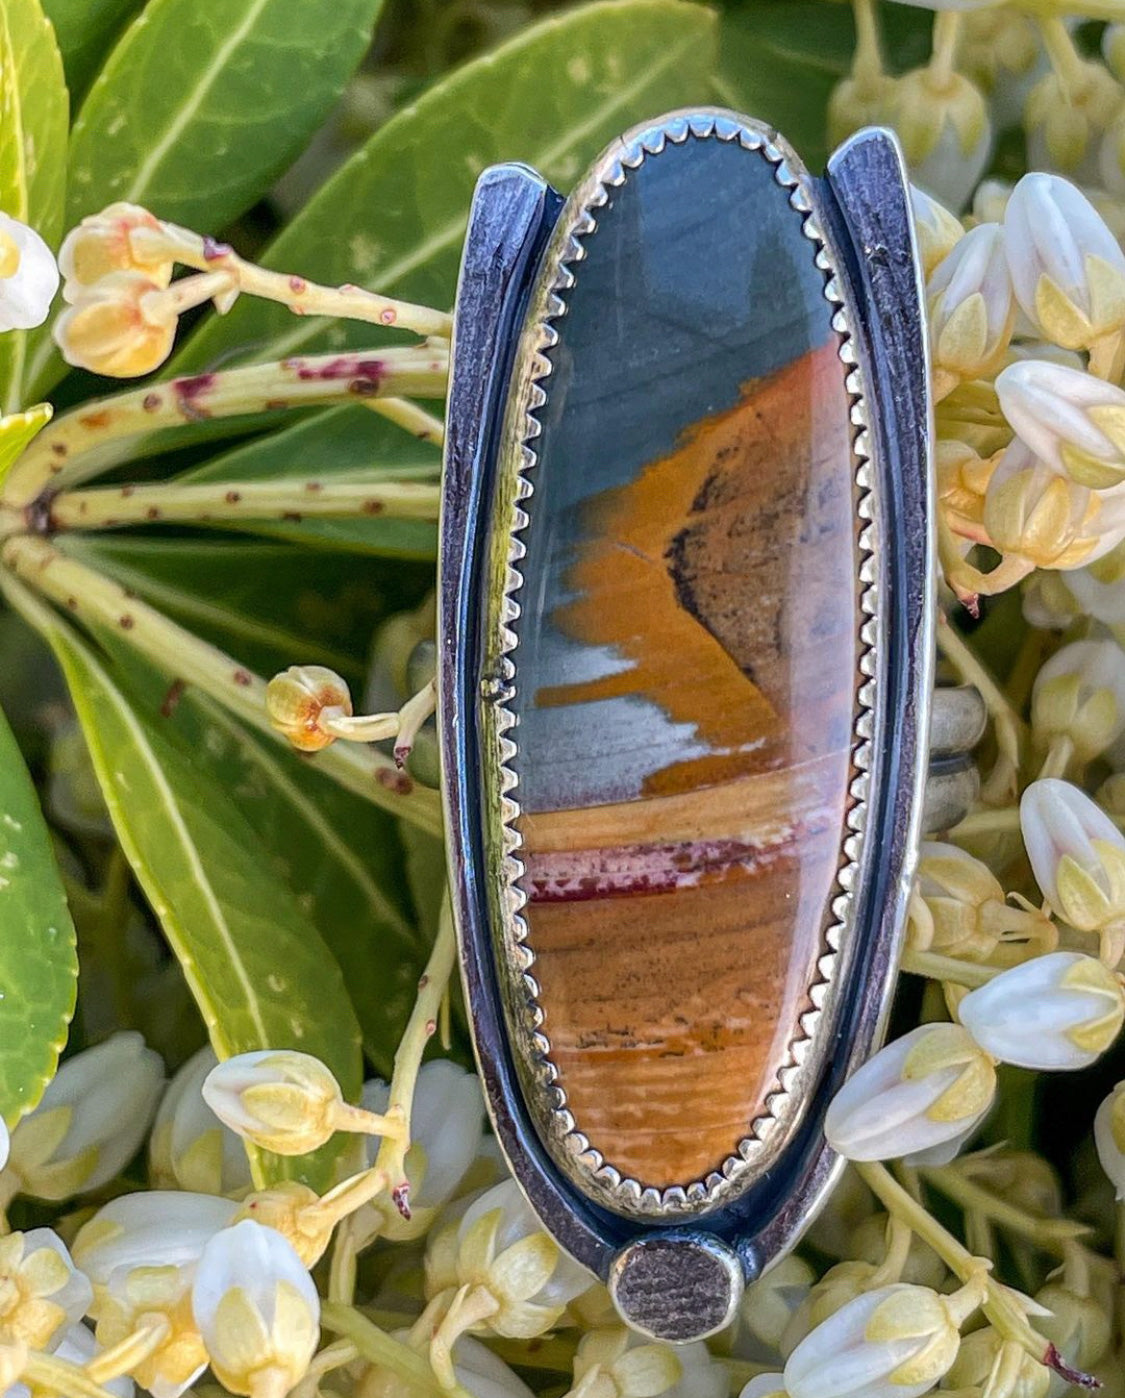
1027	330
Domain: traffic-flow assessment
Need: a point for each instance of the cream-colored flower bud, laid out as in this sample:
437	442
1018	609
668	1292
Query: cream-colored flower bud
959	908
28	276
41	1290
190	1148
1077	855
90	1121
1060	1011
159	1228
108	242
936	229
292	1209
769	1304
1069	419
1079	698
257	1309
143	1298
925	1092
971	309
1067	268
297	700
122	326
899	1341
619	1363
1077	1326
1047	602
990	199
1041	519
1065	120
981	1353
859	101
999	49
504	1254
280	1099
963	478
943	123
1109	1137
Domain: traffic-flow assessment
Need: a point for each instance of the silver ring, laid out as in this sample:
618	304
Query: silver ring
690	738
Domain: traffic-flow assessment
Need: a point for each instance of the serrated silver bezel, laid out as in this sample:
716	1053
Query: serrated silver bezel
577	1156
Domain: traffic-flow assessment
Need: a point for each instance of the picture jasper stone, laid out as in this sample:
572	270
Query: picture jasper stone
685	665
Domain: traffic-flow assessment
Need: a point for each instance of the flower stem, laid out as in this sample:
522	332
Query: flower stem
303	297
381	1349
134	1349
867	64
183	656
948	968
947	34
1062	52
1008	725
69	449
297	498
1053	1235
1000	1304
420	1029
47	1372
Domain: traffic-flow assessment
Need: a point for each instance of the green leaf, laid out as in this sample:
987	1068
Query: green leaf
393	216
85	30
38	956
341	855
780	61
17	430
347	441
34	112
201	106
265	602
260	974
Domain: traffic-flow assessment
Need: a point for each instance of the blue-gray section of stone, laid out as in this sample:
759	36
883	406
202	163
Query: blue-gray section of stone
698	279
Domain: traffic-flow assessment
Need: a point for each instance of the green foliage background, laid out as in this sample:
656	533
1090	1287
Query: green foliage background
294	912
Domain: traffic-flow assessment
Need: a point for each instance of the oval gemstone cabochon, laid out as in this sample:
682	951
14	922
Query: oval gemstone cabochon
686	656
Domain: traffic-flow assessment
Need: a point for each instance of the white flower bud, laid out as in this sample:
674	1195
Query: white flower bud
29	277
1109	1137
990	199
1060	1011
446	1126
136	1298
971	309
937	230
943	123
765	1386
279	1099
839	1285
895	1342
1079	696
41	1290
1069	419
930	1089
90	1121
502	1249
257	1309
1096	595
619	1363
190	1148
1077	854
159	1228
1067	268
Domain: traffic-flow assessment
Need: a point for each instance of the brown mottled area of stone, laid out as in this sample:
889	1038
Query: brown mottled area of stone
676	937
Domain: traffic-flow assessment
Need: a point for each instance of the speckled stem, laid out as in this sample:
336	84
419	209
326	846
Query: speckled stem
68	450
183	656
108	507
